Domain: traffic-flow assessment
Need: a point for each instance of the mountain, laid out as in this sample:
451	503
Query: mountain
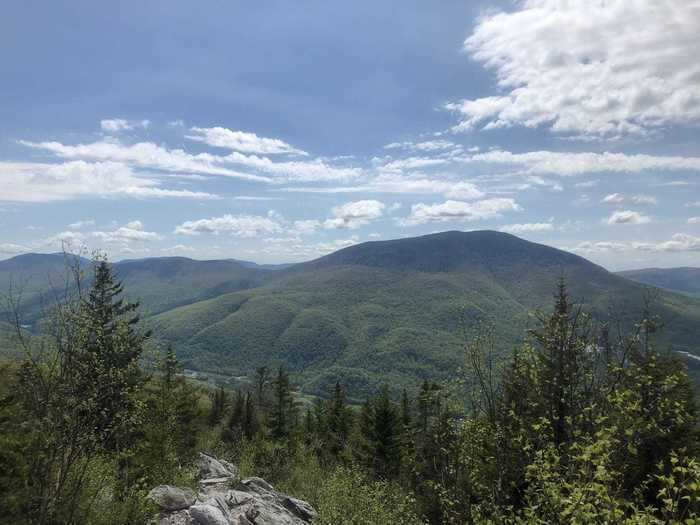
393	312
159	283
397	311
684	280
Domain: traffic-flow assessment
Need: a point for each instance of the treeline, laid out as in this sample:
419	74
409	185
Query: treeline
584	424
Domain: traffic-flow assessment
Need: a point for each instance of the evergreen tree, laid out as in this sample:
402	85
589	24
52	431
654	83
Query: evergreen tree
283	409
381	428
234	426
218	406
338	422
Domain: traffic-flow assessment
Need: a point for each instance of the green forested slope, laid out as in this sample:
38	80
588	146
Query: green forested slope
396	312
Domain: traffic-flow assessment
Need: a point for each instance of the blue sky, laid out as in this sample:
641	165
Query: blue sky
280	131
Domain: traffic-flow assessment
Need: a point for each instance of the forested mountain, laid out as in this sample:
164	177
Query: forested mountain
394	311
684	280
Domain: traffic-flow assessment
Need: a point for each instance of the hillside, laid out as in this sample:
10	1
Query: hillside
683	280
396	311
159	283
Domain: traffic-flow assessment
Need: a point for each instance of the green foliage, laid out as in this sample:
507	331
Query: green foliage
350	497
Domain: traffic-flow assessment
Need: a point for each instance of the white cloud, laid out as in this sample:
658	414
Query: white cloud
568	164
618	198
429	145
12	249
242	141
355	214
178	248
133	231
628	217
679	242
695	204
81	224
116	125
406	185
35	182
306	227
238	225
460	211
613	198
591	70
694	220
145	155
587	184
529	227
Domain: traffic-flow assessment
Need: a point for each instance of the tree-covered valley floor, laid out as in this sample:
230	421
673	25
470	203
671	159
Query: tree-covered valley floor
585	423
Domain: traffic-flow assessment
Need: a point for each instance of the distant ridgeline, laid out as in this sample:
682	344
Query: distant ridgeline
394	312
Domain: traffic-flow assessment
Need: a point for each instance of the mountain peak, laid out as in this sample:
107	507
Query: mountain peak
450	251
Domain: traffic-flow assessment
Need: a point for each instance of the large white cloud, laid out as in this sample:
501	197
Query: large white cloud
459	211
242	141
355	214
36	182
145	155
590	69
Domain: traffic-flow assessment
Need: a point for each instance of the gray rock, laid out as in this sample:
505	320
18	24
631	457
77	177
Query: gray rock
208	515
210	467
253	501
299	508
171	498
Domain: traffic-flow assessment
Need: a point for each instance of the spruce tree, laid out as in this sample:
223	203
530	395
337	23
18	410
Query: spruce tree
282	414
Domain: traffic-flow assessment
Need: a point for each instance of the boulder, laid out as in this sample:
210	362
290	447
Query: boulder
212	468
224	501
168	497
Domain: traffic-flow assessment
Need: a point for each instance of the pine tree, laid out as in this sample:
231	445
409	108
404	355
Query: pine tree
283	410
251	423
381	426
338	421
233	429
218	406
108	365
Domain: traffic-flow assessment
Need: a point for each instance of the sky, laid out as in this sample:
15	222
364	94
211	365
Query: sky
281	131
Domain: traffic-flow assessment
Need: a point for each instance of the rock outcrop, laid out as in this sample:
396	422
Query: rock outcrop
225	499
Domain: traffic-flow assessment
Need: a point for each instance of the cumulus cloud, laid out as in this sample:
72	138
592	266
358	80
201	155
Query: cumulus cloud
238	225
459	211
355	214
588	70
133	231
242	141
115	125
528	227
36	182
628	217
